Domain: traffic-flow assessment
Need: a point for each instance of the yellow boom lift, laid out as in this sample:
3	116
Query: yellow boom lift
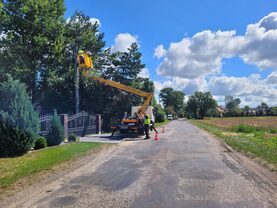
134	124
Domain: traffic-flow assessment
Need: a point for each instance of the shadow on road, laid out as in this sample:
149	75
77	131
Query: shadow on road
111	139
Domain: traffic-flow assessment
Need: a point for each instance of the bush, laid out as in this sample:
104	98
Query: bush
40	143
19	121
55	134
244	128
273	131
14	141
16	109
160	117
72	138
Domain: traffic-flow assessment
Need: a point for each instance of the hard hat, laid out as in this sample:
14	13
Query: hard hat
80	52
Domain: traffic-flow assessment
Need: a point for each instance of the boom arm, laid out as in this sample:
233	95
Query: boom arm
120	86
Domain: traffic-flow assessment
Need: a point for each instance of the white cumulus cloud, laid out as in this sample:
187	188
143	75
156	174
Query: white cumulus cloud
195	63
159	51
202	54
197	56
272	79
259	43
252	90
123	41
188	86
95	20
144	73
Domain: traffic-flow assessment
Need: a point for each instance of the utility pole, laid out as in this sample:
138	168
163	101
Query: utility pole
76	69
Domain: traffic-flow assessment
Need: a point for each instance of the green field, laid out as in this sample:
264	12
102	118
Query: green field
255	136
13	169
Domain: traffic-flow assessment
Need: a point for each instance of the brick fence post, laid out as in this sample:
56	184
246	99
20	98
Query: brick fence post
64	121
98	124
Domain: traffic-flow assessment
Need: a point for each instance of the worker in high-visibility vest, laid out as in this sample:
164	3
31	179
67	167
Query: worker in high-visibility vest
146	122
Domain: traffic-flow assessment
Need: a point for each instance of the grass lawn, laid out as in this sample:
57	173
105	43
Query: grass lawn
13	169
255	140
162	123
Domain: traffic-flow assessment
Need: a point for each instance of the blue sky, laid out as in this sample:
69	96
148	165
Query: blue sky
156	22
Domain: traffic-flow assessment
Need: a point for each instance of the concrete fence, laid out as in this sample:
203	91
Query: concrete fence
79	124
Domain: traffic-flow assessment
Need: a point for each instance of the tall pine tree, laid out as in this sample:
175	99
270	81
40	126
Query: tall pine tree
59	93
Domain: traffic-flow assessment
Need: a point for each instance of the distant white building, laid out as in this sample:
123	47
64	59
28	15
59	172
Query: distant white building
259	111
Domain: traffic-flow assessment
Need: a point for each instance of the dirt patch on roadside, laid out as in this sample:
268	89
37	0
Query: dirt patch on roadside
226	123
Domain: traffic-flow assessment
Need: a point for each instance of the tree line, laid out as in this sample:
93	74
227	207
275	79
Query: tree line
37	48
37	54
197	105
202	104
232	108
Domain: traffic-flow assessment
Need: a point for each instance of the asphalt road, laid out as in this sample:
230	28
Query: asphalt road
185	168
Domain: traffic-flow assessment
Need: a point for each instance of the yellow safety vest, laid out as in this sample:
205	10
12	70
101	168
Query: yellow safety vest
147	121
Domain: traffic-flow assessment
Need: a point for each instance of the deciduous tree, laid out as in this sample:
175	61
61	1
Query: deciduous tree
32	38
232	105
173	98
200	102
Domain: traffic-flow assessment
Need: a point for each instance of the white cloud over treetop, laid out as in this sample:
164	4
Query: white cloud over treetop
188	86
95	20
144	73
203	53
251	90
123	41
92	20
242	86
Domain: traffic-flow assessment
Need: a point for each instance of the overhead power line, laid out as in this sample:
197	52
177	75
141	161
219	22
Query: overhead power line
20	16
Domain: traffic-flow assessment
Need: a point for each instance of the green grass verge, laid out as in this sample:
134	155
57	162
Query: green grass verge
13	169
258	143
162	123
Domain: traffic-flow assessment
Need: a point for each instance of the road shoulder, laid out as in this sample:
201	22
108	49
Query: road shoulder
260	176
